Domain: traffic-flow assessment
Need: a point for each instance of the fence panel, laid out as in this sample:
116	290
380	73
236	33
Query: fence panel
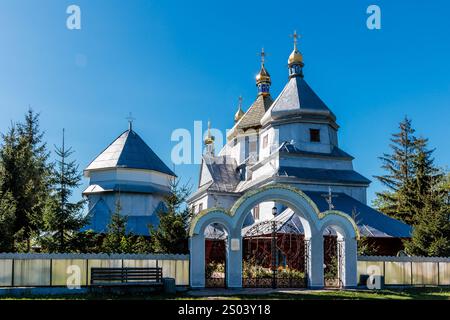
32	272
29	270
6	272
444	273
425	273
409	271
68	270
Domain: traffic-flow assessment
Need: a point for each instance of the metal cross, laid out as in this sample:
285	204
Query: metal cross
130	120
329	198
240	101
263	55
296	37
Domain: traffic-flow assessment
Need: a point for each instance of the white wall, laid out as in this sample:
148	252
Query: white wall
129	175
320	163
299	132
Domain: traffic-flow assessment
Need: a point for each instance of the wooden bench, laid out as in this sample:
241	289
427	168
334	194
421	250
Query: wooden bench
126	276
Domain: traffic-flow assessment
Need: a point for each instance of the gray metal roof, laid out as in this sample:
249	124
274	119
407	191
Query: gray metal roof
297	98
100	216
370	222
129	151
336	152
368	219
127	188
223	171
323	175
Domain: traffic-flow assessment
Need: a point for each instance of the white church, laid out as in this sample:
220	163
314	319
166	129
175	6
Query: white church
130	178
293	140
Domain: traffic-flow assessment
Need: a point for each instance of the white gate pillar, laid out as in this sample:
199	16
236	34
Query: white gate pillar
315	261
350	255
197	261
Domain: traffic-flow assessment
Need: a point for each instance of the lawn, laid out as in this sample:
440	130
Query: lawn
428	293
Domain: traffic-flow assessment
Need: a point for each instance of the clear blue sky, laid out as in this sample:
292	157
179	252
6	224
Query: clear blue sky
173	62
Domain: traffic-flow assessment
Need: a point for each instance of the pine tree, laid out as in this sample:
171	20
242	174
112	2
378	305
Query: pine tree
431	233
115	240
399	179
63	218
7	217
24	159
172	234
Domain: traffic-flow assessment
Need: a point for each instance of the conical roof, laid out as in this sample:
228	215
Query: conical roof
252	118
129	151
297	99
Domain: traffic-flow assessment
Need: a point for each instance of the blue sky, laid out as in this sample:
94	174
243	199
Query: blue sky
173	62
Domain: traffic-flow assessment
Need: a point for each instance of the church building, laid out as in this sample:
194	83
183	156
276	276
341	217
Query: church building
127	177
293	140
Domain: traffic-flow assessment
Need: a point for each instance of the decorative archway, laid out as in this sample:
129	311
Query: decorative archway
313	221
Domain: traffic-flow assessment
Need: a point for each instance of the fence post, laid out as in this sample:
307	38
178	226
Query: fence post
87	272
51	272
438	273
12	273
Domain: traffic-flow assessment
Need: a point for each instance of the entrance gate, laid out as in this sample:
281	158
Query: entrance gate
273	257
313	221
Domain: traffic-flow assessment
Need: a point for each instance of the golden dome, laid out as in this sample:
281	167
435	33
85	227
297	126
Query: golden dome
209	138
263	75
295	57
238	115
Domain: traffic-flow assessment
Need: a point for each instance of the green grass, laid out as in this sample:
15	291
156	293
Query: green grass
429	293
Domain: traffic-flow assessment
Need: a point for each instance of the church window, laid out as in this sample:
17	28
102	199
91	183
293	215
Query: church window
200	207
235	142
314	135
265	141
256	212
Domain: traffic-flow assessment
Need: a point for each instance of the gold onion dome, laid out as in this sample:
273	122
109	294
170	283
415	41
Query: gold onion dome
209	139
295	57
239	113
263	75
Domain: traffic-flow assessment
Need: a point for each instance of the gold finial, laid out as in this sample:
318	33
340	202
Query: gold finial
295	57
240	113
209	139
263	75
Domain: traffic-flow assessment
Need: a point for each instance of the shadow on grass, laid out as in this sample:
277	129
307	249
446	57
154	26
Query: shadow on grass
423	293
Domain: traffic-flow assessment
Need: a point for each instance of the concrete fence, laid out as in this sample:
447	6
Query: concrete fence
407	271
46	270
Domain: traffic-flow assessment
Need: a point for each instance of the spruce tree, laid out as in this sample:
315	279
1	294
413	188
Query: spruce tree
63	218
171	235
116	238
7	217
399	177
24	158
431	233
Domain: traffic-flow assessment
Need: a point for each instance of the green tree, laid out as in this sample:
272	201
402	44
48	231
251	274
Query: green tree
86	242
399	177
431	233
62	218
172	234
116	238
26	171
7	217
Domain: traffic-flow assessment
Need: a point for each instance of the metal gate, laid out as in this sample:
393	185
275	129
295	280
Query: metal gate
272	258
215	257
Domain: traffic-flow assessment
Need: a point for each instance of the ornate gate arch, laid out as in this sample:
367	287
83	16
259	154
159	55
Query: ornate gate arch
313	221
